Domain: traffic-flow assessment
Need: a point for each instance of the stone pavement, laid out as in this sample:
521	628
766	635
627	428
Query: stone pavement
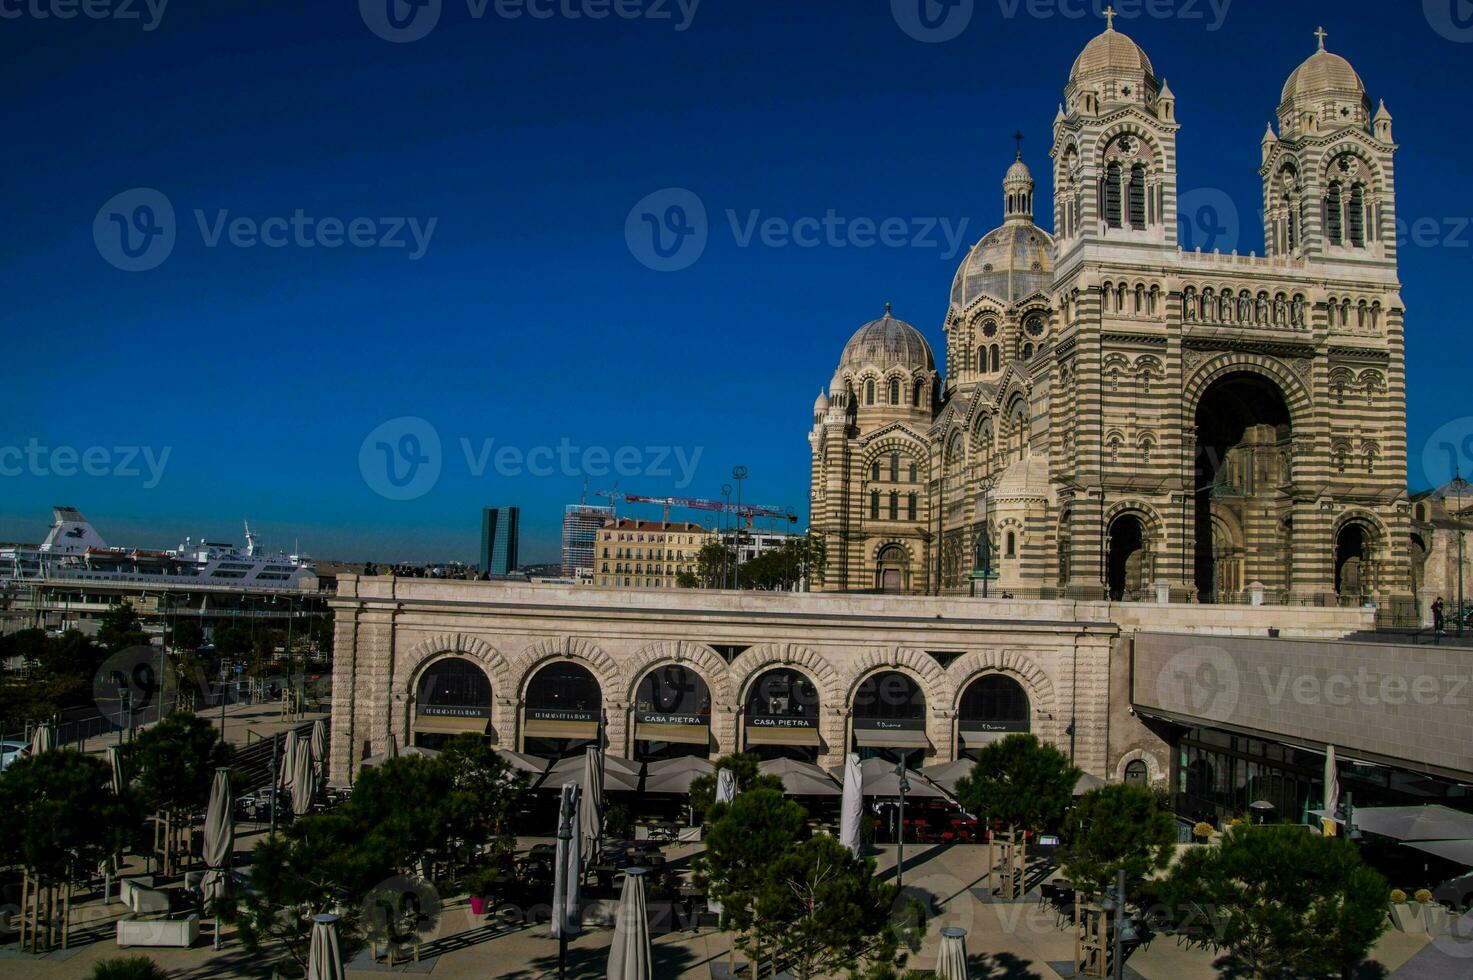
1014	941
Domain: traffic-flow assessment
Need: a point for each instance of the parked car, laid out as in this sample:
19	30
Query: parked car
9	752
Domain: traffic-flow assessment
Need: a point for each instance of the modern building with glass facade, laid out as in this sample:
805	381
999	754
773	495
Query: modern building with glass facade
499	539
581	523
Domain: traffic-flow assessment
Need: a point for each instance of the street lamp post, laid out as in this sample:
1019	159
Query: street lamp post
900	826
739	474
1458	483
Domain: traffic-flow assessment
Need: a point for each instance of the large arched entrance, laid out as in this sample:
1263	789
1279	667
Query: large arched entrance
672	715
1354	562
992	707
1243	465
1127	565
453	697
889	718
892	569
563	711
781	716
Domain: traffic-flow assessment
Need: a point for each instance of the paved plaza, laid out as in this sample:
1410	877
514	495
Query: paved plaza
1017	941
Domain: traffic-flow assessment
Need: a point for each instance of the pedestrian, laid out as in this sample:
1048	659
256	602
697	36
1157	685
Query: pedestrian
1437	616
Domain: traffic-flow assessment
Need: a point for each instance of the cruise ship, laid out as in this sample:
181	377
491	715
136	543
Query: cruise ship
74	552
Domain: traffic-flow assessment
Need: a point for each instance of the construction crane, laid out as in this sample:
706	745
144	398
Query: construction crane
745	511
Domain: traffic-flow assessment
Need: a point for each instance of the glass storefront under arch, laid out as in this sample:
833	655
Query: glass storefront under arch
889	718
672	715
993	707
780	716
563	711
453	697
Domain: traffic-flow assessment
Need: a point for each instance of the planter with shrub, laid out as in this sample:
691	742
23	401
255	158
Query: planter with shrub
1403	917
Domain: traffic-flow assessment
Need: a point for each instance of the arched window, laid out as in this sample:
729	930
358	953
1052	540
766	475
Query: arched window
1135	773
894	391
1358	216
912	472
1335	216
894	467
996	358
1293	223
1113	216
1138	196
874	505
869	392
916	395
910	507
1012	550
1027	351
894	505
982	358
874	471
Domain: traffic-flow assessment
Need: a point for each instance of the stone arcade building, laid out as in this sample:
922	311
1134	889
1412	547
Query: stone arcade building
548	669
1118	415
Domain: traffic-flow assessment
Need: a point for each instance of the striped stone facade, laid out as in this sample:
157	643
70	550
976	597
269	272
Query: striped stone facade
1122	417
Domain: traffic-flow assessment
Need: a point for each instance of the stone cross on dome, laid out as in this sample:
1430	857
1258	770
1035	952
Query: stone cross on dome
1109	14
1321	33
1019	137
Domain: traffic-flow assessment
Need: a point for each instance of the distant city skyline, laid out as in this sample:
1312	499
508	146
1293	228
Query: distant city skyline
427	255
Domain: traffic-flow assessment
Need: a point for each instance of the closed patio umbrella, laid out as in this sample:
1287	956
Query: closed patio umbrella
319	749
725	786
851	808
303	782
325	958
43	738
1332	780
568	876
879	780
630	955
591	812
115	763
948	774
951	964
288	761
219	841
522	762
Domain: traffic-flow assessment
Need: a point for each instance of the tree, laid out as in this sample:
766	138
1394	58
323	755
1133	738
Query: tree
59	819
787	566
1114	827
744	767
826	910
185	634
713	567
743	840
176	762
121	628
318	862
1281	901
483	798
56	673
1025	786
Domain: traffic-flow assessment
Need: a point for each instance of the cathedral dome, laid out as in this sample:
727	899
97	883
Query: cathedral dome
1008	264
1111	52
887	342
1324	76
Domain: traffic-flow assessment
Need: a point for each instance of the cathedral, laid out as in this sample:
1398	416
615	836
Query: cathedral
1118	417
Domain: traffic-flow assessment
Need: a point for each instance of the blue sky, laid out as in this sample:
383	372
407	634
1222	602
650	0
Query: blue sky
517	319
